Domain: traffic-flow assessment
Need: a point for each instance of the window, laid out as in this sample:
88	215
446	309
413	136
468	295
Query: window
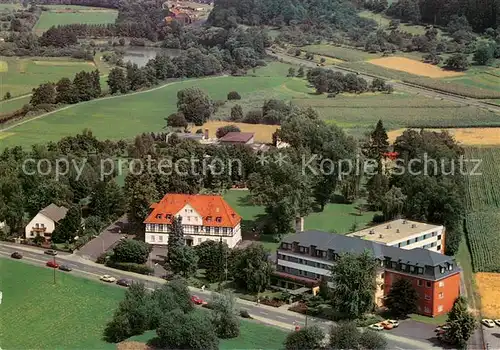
394	264
427	297
382	287
407	242
439	247
37	225
169	216
439	237
196	229
428	284
421	270
152	238
419	283
161	227
441	269
218	219
302	249
209	218
382	275
189	218
412	269
440	308
158	216
433	244
450	267
441	295
216	230
160	238
441	284
403	266
426	236
416	239
399	245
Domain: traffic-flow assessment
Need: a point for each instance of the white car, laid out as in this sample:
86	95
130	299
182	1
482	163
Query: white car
394	323
107	278
376	327
488	323
497	322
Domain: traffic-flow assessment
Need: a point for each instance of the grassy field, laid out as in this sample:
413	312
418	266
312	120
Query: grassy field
62	14
338	218
145	111
12	105
476	137
73	313
23	74
341	53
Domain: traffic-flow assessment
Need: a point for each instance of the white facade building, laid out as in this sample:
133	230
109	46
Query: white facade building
203	218
44	223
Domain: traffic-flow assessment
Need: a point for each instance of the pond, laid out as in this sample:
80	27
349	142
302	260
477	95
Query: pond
141	55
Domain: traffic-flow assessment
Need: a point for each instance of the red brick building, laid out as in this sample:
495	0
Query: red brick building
304	258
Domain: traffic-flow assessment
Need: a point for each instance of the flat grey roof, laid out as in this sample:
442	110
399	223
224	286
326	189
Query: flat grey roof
393	231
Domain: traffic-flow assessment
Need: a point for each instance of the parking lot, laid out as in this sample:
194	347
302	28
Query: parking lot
492	337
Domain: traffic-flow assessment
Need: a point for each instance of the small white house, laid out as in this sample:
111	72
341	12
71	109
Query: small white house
44	223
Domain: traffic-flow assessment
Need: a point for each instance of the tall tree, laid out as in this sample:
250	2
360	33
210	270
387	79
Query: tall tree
461	322
69	226
393	203
236	113
251	268
84	86
195	104
224	315
107	200
117	81
176	235
402	298
353	277
378	143
66	92
141	193
212	256
135	77
131	251
44	94
182	259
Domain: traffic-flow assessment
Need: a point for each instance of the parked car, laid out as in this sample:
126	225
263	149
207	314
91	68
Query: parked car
376	327
65	268
386	325
395	323
50	252
16	255
488	323
197	300
125	282
53	264
442	327
107	278
497	322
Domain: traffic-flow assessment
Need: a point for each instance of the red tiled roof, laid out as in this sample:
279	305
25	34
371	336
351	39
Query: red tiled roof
235	136
299	279
208	206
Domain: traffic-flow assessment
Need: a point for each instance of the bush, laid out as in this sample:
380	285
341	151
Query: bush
223	130
101	259
132	267
378	218
272	302
245	314
367	320
233	95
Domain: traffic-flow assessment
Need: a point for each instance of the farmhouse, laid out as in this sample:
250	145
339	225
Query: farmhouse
204	217
305	257
406	234
44	223
235	137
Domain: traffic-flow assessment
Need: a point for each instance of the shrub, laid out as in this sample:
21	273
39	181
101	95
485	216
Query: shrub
132	267
233	95
367	320
223	130
378	218
245	314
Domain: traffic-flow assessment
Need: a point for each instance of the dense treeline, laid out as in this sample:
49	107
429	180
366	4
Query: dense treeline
481	15
22	20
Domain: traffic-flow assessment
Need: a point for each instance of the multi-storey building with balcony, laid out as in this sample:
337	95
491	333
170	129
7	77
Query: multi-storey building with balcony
405	234
304	258
204	217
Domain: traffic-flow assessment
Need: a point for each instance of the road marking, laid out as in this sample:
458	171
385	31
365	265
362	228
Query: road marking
263	312
282	317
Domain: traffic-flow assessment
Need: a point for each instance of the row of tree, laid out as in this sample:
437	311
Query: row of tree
85	86
325	80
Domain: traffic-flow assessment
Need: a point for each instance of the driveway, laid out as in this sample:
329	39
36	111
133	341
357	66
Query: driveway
106	240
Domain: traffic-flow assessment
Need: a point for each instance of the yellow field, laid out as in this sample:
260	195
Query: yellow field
466	136
413	66
263	133
62	63
488	285
4	67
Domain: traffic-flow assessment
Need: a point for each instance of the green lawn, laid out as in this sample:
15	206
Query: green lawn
23	74
72	314
338	218
430	320
62	14
69	315
15	104
341	53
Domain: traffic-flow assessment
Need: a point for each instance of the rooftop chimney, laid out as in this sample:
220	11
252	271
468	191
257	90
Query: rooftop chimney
388	226
397	230
381	236
404	221
413	225
372	232
205	134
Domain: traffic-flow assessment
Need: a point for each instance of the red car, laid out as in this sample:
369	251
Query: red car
52	264
197	300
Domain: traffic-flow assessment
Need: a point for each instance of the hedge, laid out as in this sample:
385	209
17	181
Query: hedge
132	267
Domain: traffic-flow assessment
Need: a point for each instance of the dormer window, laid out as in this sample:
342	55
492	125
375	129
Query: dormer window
158	216
412	269
209	218
442	269
168	216
218	219
403	267
450	267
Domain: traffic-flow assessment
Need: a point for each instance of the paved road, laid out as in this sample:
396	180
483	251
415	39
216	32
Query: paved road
265	314
397	85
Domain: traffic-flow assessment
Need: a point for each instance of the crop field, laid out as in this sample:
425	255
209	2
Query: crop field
263	133
483	209
488	285
339	52
23	74
465	136
438	84
413	67
62	14
483	80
